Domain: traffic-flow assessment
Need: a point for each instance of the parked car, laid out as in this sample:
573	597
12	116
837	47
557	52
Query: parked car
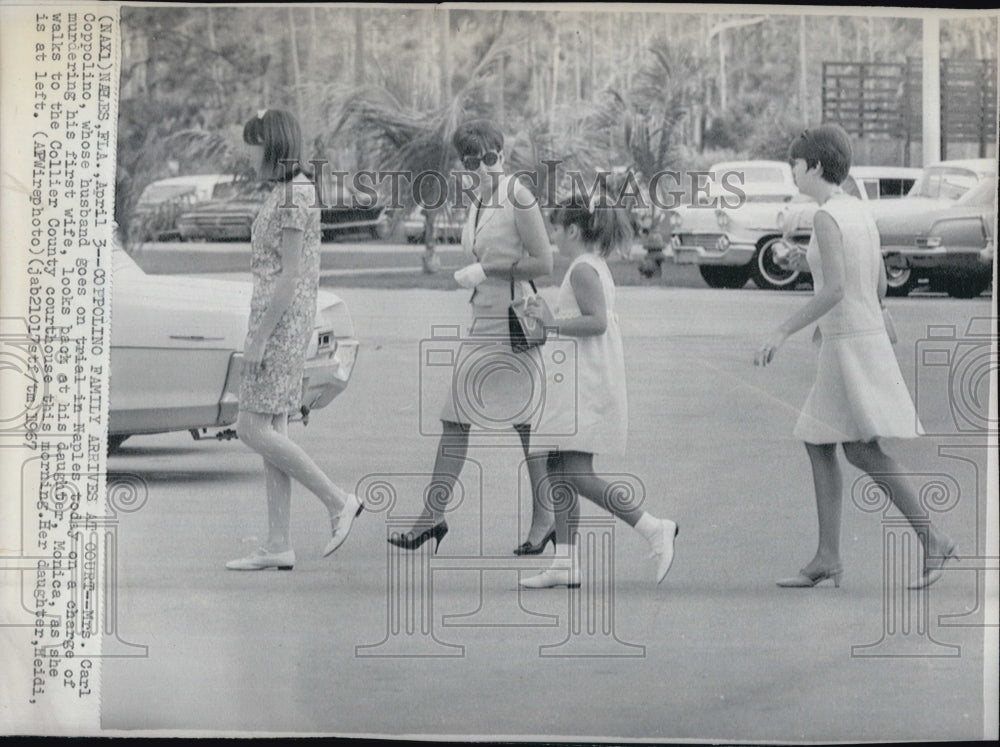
448	225
345	213
732	244
880	182
161	203
900	221
224	218
727	242
177	352
867	183
956	250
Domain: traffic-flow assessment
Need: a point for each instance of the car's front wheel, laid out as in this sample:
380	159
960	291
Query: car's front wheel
767	273
724	277
899	276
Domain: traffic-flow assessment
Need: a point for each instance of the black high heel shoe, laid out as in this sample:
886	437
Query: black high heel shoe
409	542
527	548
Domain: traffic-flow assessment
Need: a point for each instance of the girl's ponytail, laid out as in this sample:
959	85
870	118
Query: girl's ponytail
602	219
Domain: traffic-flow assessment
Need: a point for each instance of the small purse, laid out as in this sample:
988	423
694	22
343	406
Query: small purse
526	331
890	325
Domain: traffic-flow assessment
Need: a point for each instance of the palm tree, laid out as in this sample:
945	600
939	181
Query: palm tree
414	137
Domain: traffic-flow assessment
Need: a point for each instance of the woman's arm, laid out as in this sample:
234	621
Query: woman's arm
281	299
883	281
531	229
831	254
589	293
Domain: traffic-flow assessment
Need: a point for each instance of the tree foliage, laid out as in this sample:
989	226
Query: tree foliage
385	87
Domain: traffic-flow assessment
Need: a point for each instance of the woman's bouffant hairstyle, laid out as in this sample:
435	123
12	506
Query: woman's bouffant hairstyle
477	136
827	145
278	131
601	223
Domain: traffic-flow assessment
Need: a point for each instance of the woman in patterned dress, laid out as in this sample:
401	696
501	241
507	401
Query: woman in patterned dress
859	394
285	242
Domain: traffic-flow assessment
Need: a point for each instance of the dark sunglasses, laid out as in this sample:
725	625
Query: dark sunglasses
489	158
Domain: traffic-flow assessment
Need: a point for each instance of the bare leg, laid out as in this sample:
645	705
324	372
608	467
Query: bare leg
829	487
542	516
452	449
578	469
869	457
257	431
279	498
558	492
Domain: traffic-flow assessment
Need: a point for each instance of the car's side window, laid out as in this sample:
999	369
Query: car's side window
872	189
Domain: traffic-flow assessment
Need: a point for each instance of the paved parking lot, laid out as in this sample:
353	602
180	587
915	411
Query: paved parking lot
355	645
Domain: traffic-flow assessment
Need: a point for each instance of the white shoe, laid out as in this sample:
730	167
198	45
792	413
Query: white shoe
552	577
663	548
262	559
351	510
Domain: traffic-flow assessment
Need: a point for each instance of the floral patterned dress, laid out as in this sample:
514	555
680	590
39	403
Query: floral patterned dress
275	387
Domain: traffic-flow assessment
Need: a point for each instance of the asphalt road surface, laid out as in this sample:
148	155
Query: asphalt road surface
372	642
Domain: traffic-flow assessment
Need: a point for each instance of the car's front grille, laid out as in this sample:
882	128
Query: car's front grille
705	240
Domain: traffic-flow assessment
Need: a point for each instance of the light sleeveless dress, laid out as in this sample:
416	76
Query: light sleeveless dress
859	393
592	415
492	386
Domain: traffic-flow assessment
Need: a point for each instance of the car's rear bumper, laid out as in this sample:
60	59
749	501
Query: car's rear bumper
946	259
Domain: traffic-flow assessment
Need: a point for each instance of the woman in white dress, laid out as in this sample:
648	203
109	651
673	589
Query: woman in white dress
859	394
593	417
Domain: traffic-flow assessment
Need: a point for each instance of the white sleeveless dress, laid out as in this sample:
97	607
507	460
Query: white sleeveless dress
859	393
592	415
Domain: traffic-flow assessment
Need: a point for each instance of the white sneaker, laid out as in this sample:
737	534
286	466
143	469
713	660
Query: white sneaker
663	548
351	510
568	577
262	559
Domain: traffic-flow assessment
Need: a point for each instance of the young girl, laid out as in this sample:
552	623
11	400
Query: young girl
585	311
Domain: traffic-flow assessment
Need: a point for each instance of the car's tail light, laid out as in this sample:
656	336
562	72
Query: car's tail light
346	356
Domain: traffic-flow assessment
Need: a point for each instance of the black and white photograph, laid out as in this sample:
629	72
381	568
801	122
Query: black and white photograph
591	373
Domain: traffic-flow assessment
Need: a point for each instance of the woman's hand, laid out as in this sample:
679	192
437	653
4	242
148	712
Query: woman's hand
540	310
254	353
765	354
470	276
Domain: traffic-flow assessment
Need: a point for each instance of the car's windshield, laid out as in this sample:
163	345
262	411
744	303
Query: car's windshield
225	190
762	174
162	192
944	182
